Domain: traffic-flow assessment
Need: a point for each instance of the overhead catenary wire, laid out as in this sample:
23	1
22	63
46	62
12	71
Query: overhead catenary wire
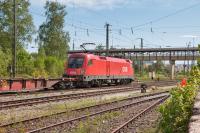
87	27
87	30
167	16
150	22
132	28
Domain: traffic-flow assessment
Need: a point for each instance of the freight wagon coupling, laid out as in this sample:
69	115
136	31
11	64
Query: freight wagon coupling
65	83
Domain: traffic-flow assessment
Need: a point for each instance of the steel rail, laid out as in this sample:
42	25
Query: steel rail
94	114
33	101
121	127
83	108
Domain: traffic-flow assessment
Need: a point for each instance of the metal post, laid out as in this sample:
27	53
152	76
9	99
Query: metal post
14	38
184	63
142	43
141	61
73	44
172	63
107	38
188	63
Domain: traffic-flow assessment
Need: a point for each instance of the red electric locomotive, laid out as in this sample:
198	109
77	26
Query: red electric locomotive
87	70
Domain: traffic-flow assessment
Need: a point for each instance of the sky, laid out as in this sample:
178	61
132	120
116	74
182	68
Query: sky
161	23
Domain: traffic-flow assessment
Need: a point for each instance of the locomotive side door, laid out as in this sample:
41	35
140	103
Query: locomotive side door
107	68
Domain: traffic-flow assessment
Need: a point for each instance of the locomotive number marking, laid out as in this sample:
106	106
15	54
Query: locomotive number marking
124	69
72	72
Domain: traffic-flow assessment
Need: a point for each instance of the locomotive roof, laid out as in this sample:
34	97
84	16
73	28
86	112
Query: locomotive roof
92	56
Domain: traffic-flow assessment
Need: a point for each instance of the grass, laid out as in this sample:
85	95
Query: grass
153	129
149	130
93	125
146	77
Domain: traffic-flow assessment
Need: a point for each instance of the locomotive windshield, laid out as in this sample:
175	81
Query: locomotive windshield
75	62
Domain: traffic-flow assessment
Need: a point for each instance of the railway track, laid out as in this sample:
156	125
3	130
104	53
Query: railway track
123	127
50	127
125	105
46	99
83	108
43	91
40	100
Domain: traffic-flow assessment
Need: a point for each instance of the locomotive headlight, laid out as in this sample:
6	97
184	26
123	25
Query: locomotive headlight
82	71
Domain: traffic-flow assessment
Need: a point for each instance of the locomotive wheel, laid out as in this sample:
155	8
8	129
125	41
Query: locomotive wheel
121	82
96	83
116	82
99	84
89	84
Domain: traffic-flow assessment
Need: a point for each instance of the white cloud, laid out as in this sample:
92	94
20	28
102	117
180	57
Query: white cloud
104	4
95	3
92	4
190	36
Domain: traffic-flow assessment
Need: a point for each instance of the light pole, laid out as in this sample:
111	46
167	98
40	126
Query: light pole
141	61
14	39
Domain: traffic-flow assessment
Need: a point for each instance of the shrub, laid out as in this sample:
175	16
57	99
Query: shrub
177	110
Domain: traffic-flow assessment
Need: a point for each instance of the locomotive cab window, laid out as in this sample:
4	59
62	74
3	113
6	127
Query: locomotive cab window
89	62
75	62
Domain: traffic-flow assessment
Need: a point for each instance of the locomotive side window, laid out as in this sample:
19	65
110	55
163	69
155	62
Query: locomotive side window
75	62
89	62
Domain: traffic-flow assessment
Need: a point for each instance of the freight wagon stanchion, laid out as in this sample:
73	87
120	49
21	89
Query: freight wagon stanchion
36	84
45	84
10	83
24	84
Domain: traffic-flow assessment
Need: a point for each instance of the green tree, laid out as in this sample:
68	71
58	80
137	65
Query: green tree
24	23
5	58
159	67
39	64
25	29
52	37
24	63
54	66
